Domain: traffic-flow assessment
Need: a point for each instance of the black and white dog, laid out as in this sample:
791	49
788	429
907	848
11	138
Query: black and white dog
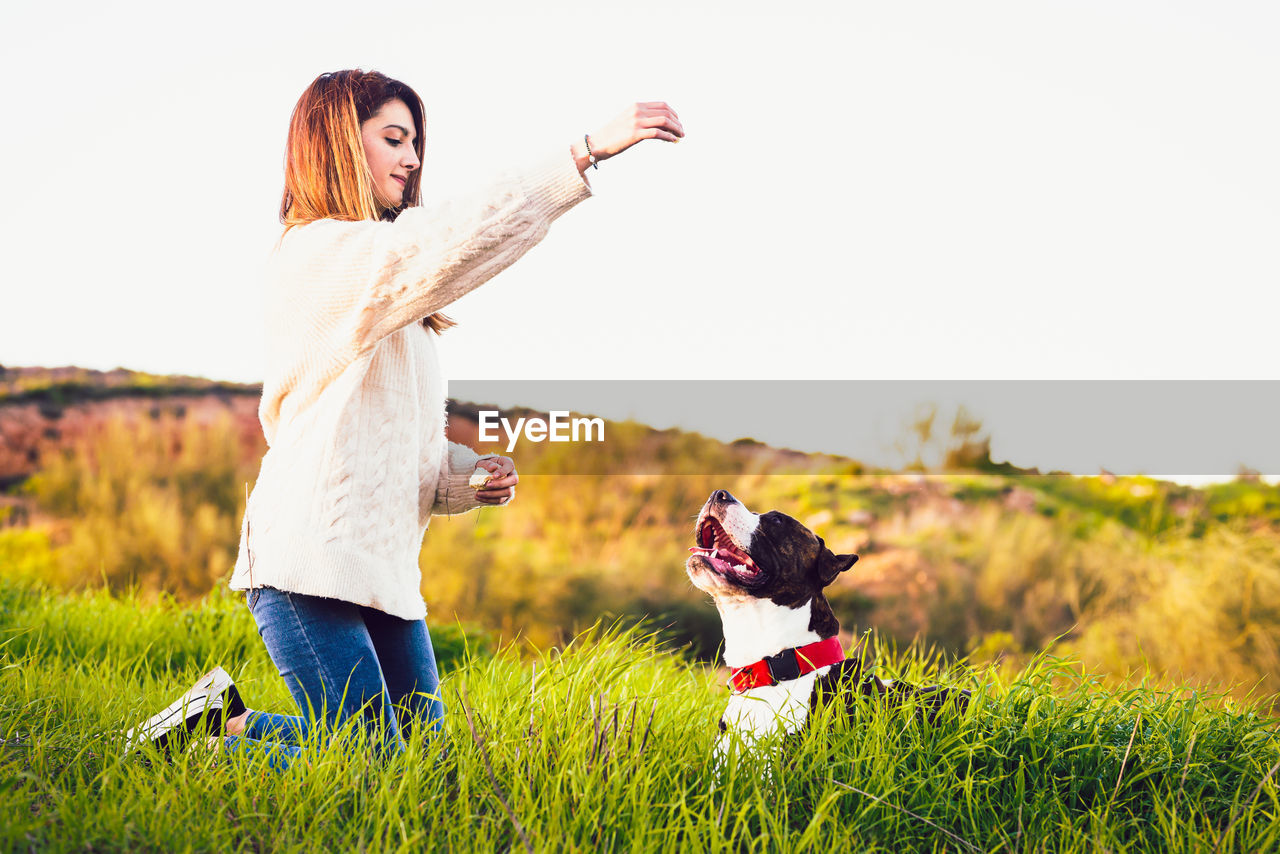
766	574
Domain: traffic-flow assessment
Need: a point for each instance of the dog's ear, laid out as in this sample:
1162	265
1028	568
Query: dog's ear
830	564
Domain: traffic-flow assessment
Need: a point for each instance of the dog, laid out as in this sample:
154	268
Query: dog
766	574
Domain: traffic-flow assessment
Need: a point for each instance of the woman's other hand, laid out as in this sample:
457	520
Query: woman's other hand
643	120
502	488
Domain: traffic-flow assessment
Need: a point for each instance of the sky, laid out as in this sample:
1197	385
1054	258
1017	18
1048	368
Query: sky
991	190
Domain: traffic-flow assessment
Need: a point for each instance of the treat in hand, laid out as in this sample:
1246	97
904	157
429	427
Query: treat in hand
479	478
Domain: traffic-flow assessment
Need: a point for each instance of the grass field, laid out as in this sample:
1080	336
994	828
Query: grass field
605	745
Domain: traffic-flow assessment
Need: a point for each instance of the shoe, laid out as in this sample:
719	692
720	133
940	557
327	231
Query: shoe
203	709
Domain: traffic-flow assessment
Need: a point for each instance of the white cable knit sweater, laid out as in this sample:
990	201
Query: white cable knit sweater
353	403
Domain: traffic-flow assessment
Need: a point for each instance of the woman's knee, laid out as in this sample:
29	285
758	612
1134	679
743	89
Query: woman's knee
322	650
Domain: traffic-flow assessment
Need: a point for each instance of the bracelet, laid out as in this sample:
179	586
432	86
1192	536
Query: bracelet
591	158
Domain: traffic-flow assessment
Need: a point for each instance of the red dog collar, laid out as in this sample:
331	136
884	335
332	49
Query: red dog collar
791	663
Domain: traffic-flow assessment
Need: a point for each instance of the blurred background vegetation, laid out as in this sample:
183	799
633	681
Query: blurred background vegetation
1138	578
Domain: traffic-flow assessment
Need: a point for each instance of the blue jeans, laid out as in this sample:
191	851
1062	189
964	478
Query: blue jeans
341	660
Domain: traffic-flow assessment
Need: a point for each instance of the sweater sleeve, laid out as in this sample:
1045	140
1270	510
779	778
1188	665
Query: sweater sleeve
453	495
358	282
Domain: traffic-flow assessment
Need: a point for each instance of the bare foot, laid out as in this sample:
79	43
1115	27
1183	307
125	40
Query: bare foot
235	726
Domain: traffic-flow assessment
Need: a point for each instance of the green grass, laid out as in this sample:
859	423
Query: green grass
606	745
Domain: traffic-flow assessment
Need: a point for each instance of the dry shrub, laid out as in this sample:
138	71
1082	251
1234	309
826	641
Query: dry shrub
152	502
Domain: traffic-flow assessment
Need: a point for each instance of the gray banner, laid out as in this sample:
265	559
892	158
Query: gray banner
1182	428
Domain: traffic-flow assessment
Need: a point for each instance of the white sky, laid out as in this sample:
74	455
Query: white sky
925	190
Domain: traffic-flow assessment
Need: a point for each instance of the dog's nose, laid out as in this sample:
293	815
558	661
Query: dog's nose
722	496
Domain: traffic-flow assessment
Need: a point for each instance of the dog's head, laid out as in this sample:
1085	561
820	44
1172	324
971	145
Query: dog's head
744	555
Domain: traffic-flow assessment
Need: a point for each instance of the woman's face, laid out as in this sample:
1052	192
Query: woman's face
388	137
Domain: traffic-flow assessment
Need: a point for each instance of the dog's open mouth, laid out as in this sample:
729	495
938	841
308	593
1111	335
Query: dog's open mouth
723	554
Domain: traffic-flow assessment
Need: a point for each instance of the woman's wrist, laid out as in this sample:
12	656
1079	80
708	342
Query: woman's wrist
581	158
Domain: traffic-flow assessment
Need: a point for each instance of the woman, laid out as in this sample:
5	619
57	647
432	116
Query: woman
353	408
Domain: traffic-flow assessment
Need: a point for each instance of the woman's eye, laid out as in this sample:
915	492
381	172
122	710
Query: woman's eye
391	141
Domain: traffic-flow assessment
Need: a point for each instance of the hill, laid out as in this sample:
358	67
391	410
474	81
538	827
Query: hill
144	490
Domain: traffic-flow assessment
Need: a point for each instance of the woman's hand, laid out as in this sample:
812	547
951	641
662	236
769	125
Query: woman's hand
644	120
502	489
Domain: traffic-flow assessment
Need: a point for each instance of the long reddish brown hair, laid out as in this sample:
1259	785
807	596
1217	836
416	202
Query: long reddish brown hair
326	173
